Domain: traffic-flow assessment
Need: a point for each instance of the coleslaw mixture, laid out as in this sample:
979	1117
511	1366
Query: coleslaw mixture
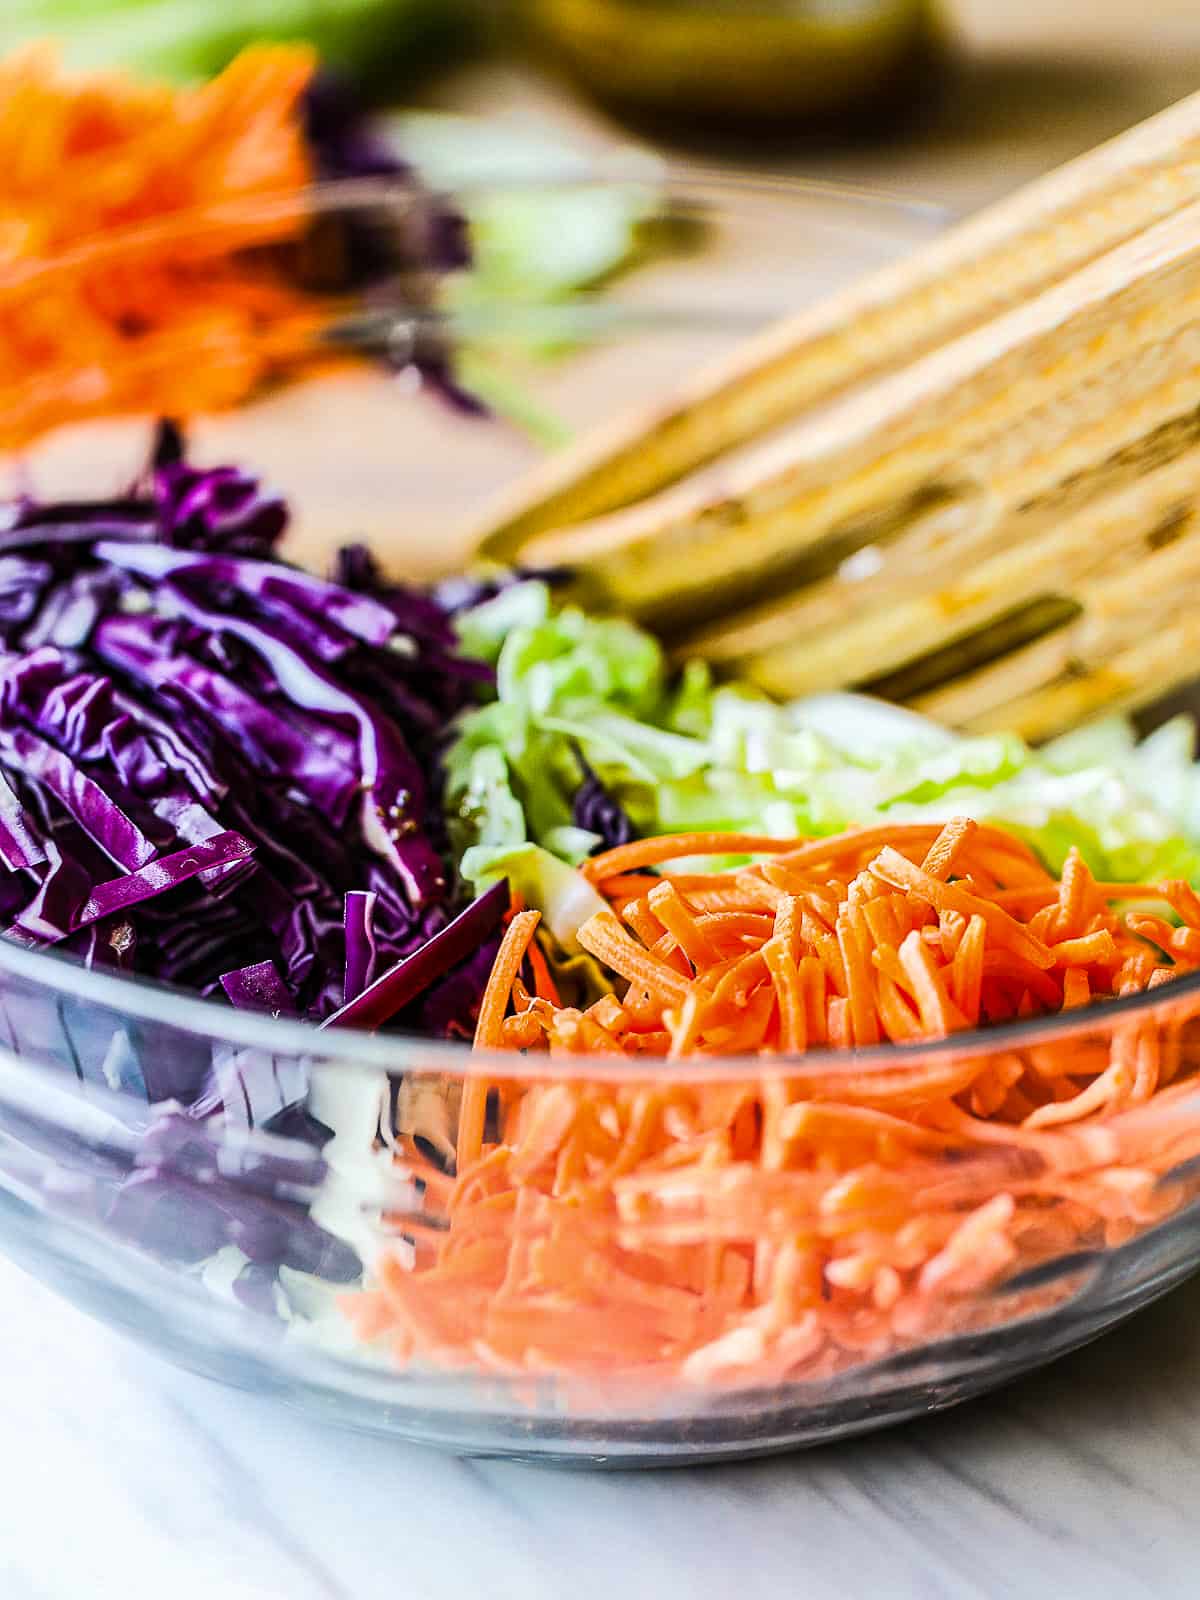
478	813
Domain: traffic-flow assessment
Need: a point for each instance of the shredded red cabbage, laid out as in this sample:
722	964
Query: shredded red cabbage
597	811
425	238
258	988
221	772
345	144
361	952
213	765
408	979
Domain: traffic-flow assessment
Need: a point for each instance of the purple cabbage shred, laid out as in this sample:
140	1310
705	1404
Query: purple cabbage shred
212	764
378	248
597	811
220	772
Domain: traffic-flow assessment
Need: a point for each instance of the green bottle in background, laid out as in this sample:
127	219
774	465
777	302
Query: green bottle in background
744	65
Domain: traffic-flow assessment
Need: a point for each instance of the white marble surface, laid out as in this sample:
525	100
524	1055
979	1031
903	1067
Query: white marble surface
121	1479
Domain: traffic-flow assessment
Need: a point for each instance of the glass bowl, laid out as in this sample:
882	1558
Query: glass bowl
820	1271
240	1253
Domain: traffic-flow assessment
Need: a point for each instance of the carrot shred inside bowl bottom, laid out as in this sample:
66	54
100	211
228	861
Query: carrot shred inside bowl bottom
744	1230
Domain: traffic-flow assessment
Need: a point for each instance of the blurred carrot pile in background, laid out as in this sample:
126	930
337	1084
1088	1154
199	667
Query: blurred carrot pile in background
106	279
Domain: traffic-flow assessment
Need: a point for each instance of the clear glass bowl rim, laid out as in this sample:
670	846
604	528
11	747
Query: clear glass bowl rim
676	182
338	1048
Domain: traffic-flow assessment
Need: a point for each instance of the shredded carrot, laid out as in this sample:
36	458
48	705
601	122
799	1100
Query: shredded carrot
1091	949
948	847
544	983
1183	901
939	1015
603	937
675	847
489	1030
1074	893
496	996
852	937
1077	988
1002	928
679	919
816	1214
138	269
789	996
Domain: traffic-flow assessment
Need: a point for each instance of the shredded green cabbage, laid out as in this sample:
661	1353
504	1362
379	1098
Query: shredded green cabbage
682	754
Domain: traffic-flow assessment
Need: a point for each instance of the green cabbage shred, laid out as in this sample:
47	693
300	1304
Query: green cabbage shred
684	754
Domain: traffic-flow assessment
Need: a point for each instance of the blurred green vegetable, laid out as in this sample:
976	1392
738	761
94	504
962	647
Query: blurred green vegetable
541	228
565	898
379	42
542	232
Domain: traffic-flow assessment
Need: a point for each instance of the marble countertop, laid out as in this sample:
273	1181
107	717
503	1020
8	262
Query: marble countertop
123	1479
